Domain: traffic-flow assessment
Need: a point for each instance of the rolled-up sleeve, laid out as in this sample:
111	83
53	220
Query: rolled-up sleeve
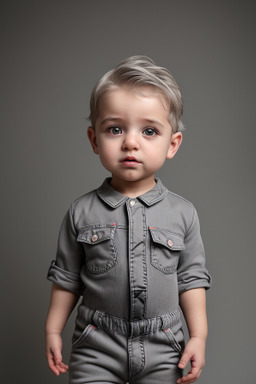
192	272
65	270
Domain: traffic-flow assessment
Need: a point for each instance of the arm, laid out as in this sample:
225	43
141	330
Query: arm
193	305
61	305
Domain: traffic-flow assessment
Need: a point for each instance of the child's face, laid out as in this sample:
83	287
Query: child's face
133	136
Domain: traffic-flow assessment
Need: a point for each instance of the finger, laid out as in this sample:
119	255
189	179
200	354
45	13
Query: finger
57	369
185	358
61	369
64	366
52	366
191	377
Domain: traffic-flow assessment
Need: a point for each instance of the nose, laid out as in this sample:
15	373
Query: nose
130	142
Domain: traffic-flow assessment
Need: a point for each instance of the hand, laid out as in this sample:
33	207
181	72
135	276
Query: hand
53	354
195	353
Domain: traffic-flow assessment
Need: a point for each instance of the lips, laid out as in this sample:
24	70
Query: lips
130	160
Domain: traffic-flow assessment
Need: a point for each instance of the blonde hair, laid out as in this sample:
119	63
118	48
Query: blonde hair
139	71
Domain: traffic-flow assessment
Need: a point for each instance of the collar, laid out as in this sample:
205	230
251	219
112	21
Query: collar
114	198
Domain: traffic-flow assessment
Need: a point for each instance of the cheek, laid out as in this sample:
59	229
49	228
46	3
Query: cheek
158	155
159	161
107	153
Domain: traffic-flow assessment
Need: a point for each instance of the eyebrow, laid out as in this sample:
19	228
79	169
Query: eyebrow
154	122
116	119
110	119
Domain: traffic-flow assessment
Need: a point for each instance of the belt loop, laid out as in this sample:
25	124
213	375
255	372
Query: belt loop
160	324
93	318
164	322
97	319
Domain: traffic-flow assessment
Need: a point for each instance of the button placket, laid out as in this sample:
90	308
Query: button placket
137	259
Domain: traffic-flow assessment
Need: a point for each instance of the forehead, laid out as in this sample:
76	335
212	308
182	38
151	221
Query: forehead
141	97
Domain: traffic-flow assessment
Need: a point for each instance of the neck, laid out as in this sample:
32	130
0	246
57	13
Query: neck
132	188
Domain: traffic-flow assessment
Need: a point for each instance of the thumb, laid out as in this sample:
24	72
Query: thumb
57	356
184	360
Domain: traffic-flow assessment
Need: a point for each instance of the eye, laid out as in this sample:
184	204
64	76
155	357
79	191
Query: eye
150	132
115	130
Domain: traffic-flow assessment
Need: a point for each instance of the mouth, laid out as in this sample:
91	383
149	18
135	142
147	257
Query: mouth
130	160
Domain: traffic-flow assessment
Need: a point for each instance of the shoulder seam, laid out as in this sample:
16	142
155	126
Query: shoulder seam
79	198
190	204
180	197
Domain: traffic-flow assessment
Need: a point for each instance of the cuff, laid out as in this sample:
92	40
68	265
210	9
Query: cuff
194	279
65	279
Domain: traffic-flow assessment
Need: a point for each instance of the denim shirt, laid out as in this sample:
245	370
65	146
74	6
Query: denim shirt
130	257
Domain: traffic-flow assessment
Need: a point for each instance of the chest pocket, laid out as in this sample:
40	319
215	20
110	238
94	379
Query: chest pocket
165	249
99	246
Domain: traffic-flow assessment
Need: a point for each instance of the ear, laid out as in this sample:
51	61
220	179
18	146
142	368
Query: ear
174	145
92	137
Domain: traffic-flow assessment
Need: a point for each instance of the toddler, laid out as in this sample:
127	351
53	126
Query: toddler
131	250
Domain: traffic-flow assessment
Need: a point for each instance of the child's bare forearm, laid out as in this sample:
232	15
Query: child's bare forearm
61	305
193	305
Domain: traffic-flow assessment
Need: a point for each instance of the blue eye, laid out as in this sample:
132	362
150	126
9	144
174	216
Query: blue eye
115	130
149	132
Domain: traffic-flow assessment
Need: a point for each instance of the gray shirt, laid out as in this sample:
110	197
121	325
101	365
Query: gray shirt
130	257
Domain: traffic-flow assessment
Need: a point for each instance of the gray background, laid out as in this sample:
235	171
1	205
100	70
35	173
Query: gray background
53	53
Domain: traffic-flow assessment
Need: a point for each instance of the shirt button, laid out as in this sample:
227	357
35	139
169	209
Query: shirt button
94	238
132	203
170	243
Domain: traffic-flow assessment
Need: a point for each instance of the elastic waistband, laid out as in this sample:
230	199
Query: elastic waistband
133	328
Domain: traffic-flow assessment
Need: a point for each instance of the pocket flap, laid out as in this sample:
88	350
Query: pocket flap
167	238
96	234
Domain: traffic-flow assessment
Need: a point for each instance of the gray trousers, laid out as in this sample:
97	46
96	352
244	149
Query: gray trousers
107	349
